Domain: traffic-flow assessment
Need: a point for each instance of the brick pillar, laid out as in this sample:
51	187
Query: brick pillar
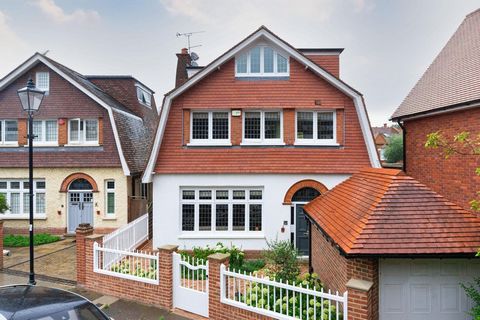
214	304
236	131
166	275
90	279
289	126
360	300
84	230
22	132
62	131
1	245
186	126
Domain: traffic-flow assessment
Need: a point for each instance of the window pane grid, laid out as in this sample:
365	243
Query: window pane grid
220	125
252	125
205	217
11	131
51	131
200	125
17	196
325	125
261	60
221	218
91	133
255	60
305	125
272	125
188	217
255	217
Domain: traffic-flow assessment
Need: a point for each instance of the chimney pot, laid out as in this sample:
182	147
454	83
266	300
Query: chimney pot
184	51
384	125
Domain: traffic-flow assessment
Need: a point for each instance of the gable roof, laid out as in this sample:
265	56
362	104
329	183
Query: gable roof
385	212
265	33
453	78
120	116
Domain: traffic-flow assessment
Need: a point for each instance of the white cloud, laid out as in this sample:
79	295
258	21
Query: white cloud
57	14
14	47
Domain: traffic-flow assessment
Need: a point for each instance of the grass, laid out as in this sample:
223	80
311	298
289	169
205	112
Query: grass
24	241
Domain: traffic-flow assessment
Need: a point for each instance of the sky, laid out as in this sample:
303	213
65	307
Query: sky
388	44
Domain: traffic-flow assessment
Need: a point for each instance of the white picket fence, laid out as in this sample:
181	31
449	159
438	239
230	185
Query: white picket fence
280	300
132	265
129	236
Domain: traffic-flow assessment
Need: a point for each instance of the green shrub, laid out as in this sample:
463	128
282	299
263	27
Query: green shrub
473	292
251	266
3	203
24	241
236	254
394	149
281	258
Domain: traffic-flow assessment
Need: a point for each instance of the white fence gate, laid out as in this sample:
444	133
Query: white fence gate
190	284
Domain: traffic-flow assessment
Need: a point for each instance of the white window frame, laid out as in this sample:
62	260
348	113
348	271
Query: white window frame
210	141
262	140
148	94
107	191
262	72
213	202
37	81
22	191
315	140
82	134
43	142
3	134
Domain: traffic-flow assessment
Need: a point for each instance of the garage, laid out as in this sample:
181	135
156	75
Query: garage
426	289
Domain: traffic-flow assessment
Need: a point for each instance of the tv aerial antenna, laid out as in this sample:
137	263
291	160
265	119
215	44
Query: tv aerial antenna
188	35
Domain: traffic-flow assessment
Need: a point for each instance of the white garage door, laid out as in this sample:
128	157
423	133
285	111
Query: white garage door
426	289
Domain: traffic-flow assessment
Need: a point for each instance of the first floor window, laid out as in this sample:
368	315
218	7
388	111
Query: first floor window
212	126
83	131
17	195
8	131
45	131
110	194
222	209
262	126
316	126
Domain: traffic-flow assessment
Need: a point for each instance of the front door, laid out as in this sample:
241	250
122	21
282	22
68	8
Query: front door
80	209
302	231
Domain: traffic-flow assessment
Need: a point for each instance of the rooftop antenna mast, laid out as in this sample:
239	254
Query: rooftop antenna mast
188	35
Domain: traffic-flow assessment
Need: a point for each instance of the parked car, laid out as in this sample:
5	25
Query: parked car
27	302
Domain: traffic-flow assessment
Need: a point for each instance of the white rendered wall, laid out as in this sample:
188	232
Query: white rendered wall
166	207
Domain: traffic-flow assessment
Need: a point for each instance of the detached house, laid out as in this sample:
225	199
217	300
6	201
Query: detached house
93	135
244	142
447	99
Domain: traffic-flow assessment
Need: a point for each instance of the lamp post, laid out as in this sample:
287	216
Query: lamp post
31	98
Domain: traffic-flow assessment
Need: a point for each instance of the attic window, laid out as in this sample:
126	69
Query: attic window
261	61
144	96
43	81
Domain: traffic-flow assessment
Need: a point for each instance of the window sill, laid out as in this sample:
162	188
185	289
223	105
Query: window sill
21	217
7	145
209	144
39	145
113	218
262	143
316	144
82	145
222	235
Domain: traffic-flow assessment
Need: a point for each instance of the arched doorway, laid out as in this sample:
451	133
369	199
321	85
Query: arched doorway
80	203
297	196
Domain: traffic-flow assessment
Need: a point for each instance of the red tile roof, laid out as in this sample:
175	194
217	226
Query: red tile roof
453	77
385	212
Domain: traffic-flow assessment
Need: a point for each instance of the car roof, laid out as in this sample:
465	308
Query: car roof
24	301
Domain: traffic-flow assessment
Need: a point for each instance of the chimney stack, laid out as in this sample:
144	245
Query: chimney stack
184	60
385	125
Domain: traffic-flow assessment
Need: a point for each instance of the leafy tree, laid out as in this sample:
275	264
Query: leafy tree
3	203
464	144
394	149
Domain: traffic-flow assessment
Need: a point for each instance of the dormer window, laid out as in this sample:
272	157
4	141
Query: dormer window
261	61
43	81
144	95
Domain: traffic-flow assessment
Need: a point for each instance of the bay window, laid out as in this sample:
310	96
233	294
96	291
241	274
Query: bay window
261	61
262	127
316	127
210	127
221	209
8	132
16	193
83	131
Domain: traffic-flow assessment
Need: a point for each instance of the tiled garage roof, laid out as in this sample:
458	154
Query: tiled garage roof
453	78
384	212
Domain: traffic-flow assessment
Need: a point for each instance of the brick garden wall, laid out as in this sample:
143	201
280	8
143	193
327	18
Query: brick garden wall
454	178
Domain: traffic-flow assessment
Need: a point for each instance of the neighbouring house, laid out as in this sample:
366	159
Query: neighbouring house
381	135
93	135
401	249
446	99
244	142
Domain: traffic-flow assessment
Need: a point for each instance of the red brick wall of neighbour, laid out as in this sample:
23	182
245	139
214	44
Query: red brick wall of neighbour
335	270
221	90
63	101
329	63
454	178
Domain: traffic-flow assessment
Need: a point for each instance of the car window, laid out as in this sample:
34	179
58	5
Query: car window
84	312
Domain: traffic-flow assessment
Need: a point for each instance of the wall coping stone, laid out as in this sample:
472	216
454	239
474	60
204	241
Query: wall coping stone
168	247
357	284
94	237
220	257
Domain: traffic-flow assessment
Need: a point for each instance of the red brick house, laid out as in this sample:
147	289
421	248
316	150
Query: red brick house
381	135
244	142
446	99
400	248
92	137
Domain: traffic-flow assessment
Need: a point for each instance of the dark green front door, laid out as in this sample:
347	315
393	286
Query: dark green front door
302	235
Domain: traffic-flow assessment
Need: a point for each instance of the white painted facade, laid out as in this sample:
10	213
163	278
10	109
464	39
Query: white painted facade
167	210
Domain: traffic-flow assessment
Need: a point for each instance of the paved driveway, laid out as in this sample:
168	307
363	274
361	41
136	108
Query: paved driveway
53	260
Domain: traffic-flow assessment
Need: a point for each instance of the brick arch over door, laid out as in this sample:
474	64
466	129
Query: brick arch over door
307	183
79	175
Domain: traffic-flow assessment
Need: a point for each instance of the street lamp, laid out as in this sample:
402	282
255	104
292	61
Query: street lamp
31	98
